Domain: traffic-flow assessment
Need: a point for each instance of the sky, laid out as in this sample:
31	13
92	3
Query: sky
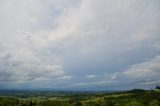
79	44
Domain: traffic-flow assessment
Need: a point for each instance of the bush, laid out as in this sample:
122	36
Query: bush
153	103
134	104
78	104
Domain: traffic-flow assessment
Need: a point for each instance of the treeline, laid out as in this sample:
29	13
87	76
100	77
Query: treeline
129	98
150	98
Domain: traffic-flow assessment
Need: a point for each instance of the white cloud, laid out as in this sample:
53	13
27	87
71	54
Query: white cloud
46	40
24	54
90	76
20	71
65	77
112	75
144	70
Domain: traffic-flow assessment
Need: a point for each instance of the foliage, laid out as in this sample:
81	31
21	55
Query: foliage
153	103
157	87
129	98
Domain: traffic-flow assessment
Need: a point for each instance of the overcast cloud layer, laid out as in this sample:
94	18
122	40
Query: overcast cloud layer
79	44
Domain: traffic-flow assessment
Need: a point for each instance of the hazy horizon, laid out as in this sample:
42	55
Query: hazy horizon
79	44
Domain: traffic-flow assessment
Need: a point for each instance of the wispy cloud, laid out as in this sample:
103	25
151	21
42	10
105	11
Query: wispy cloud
65	77
146	69
90	76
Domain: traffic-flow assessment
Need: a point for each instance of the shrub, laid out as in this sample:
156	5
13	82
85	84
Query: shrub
134	104
153	103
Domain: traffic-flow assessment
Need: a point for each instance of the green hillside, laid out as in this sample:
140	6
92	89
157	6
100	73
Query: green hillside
129	98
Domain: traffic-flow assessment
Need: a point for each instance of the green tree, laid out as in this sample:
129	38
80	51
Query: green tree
30	104
78	104
134	103
153	103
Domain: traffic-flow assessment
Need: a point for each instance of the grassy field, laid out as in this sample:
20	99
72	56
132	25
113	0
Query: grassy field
127	98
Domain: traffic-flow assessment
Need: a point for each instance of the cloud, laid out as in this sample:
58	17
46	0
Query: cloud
24	54
65	77
86	84
154	82
112	75
18	71
144	70
90	76
48	42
